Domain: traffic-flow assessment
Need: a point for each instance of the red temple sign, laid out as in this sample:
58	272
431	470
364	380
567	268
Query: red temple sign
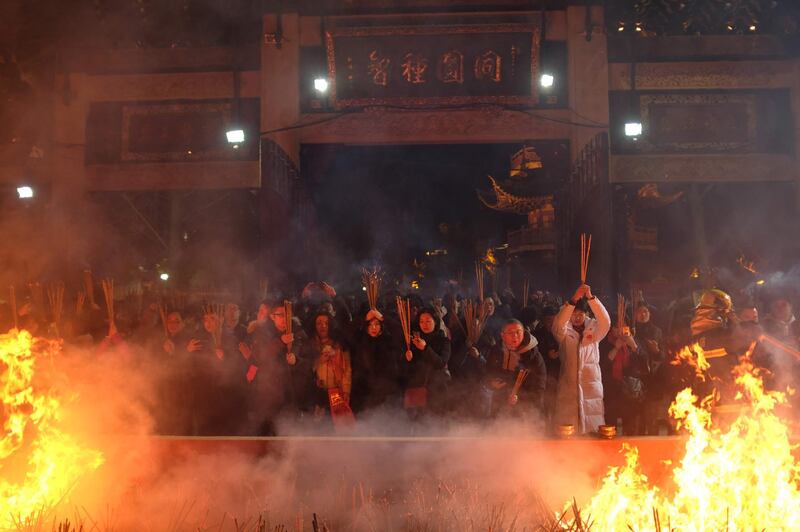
433	65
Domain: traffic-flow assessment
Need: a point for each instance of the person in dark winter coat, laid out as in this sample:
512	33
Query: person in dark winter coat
218	387
424	373
623	367
173	413
517	351
277	375
548	347
375	360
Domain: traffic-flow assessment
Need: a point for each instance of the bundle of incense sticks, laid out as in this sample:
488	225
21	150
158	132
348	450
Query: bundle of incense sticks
37	295
80	299
479	279
287	307
263	288
55	295
162	310
88	283
586	249
13	293
218	311
108	293
475	321
372	282
404	313
521	376
621	312
526	287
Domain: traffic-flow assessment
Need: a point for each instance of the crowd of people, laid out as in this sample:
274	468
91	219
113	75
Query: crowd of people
325	360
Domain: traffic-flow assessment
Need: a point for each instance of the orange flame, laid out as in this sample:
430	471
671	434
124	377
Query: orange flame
52	461
743	477
695	357
489	260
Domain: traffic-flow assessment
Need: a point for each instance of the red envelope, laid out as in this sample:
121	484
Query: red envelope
251	373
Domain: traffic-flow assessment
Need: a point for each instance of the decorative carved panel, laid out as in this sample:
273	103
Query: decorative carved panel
685	122
701	168
704	122
169	131
160	132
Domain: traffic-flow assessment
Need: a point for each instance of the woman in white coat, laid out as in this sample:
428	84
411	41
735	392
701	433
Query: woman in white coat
580	387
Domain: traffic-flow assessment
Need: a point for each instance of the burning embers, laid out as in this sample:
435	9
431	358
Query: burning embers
40	463
741	477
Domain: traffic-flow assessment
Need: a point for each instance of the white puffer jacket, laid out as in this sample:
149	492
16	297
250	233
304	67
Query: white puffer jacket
580	387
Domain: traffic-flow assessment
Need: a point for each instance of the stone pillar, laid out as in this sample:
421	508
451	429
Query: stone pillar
587	69
68	189
796	113
280	75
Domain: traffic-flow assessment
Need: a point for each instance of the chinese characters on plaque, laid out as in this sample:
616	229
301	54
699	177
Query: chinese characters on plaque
424	65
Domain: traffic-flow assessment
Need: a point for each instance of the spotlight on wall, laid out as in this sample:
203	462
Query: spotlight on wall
25	192
633	128
321	85
164	276
235	135
547	80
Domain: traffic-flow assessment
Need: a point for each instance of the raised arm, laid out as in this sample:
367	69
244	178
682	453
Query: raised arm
602	317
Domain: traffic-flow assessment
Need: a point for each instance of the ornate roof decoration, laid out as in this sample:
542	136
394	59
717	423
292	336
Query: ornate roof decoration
523	160
507	202
650	197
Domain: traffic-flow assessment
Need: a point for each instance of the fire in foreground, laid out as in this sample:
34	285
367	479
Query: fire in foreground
40	463
742	477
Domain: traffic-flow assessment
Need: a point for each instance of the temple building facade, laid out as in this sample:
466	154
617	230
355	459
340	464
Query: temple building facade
645	126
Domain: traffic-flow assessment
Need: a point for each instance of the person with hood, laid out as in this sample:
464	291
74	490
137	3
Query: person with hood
424	370
376	360
517	351
580	387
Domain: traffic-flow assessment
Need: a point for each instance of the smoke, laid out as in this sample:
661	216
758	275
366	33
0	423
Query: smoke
388	473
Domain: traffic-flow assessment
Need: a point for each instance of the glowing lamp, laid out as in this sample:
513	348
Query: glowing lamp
25	192
633	129
321	85
235	136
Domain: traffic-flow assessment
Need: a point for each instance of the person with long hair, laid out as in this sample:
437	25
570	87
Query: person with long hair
425	375
332	372
376	360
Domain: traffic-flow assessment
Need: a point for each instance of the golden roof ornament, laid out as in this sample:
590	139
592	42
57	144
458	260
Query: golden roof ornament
507	202
524	159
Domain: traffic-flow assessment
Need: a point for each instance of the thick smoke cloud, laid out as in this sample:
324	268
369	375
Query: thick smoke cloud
465	475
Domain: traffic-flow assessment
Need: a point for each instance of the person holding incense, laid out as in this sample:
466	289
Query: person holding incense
425	378
580	388
232	325
376	362
470	344
217	388
624	370
278	374
515	372
332	371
